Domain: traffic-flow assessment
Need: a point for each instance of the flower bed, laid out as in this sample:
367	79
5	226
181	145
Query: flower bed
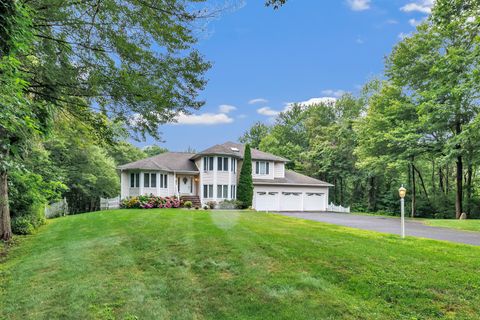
150	202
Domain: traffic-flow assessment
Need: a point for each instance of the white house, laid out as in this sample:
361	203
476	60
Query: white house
212	175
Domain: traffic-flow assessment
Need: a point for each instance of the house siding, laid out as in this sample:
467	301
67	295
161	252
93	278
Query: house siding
279	170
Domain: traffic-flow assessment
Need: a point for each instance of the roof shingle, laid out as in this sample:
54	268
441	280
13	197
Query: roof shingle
168	161
293	178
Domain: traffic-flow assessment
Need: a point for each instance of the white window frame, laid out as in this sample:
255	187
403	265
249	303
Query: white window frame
136	179
262	168
208	191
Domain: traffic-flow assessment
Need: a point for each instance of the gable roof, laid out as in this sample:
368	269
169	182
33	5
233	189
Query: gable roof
226	149
293	178
168	161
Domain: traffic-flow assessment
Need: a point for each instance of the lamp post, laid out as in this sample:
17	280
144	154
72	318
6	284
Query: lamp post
402	192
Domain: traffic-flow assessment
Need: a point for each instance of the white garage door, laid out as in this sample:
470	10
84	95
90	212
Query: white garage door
266	201
291	201
314	201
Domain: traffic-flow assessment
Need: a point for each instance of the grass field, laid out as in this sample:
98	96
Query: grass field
175	264
469	225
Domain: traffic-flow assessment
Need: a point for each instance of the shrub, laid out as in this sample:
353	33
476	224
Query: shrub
211	204
188	204
22	225
196	208
230	204
206	207
149	202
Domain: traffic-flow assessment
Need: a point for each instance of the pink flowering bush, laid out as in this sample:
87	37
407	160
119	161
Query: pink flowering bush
150	202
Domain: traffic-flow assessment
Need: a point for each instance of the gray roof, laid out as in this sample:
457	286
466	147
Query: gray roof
293	178
168	161
226	149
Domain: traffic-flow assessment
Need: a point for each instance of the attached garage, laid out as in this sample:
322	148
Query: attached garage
294	192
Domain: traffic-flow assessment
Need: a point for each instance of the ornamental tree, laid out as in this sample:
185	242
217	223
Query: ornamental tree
245	182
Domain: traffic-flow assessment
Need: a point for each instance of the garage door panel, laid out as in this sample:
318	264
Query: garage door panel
291	201
266	201
314	201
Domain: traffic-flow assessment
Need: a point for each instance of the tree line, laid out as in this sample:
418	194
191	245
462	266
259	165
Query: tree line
416	125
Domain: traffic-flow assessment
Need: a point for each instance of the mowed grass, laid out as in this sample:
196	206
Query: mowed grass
176	264
469	225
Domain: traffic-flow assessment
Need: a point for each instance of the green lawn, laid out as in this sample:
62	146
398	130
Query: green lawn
469	225
174	264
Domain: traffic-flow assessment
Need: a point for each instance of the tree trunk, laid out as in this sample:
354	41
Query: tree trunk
371	194
422	183
414	191
459	191
440	180
5	225
469	187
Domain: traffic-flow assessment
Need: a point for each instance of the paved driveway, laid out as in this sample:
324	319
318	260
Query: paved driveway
390	225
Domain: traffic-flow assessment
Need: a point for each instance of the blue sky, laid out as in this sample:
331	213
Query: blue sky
264	58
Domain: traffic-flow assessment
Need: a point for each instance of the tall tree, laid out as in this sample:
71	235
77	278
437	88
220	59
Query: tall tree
245	182
438	66
131	61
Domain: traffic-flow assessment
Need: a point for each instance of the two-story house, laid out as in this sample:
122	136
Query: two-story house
212	175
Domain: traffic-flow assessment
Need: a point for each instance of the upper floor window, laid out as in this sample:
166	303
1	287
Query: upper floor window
207	163
262	167
134	180
222	164
234	165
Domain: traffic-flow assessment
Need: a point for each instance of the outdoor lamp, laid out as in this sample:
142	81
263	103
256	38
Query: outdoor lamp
402	192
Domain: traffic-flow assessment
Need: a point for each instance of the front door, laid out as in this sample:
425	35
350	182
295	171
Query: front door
185	185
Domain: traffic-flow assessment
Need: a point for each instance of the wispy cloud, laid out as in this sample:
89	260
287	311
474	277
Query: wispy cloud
312	102
423	6
359	5
333	93
414	22
267	111
391	21
403	35
359	40
257	100
226	108
203	119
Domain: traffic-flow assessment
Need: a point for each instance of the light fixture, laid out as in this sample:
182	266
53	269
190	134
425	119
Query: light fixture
402	192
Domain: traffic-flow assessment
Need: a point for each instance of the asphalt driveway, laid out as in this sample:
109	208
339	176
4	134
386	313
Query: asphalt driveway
390	225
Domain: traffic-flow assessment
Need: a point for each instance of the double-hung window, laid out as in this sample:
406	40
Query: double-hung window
208	191
222	164
262	168
163	181
233	191
134	180
207	163
222	191
149	180
233	167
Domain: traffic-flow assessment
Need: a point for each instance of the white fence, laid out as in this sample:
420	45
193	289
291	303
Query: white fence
57	209
333	208
112	203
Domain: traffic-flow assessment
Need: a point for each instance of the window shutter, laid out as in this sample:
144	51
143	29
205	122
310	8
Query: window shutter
257	167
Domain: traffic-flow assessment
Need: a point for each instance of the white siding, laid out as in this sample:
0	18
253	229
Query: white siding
124	184
279	171
162	192
261	176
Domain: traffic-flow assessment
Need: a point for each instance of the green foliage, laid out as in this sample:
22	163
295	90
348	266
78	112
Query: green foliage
255	135
154	150
124	152
245	182
188	204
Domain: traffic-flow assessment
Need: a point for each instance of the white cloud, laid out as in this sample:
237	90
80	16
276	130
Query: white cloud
203	119
333	93
226	108
359	5
241	116
257	100
359	40
267	111
312	102
391	21
414	22
423	6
